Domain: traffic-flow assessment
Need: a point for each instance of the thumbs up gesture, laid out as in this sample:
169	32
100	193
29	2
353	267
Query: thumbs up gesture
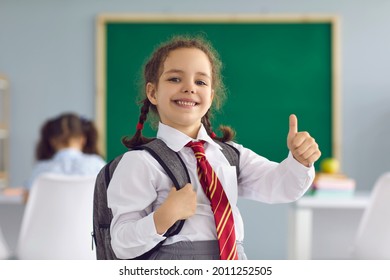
302	146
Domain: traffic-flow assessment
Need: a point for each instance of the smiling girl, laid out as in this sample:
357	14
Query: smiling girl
182	84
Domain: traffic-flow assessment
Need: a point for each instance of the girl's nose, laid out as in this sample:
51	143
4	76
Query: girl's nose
188	86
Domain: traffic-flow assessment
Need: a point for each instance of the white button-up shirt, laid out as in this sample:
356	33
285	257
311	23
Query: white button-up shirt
140	185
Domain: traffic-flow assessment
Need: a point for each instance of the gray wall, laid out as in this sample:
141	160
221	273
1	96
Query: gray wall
47	49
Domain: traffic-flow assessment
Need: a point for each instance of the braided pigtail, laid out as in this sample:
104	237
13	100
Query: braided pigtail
227	133
138	138
207	125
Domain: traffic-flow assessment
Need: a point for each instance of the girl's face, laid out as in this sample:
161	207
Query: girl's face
184	93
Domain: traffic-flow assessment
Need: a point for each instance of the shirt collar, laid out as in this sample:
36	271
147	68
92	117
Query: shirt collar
176	139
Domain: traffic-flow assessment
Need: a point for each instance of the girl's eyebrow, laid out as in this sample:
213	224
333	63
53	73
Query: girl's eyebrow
174	71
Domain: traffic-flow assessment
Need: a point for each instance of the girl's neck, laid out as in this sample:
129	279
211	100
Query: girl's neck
74	143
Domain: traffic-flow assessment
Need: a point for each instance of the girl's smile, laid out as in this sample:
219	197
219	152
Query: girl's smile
186	103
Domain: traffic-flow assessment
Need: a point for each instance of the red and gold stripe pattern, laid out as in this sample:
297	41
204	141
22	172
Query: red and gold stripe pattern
220	205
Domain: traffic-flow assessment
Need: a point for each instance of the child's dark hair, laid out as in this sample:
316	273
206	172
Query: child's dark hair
91	137
152	72
62	128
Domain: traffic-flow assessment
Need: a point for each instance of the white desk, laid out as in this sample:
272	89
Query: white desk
12	198
340	224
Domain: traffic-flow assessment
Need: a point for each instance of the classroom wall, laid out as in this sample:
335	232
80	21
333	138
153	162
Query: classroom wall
47	49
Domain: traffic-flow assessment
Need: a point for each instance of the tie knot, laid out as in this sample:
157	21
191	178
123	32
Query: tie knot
197	148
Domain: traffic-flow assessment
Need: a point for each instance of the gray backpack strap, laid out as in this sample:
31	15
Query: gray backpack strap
170	161
174	167
232	155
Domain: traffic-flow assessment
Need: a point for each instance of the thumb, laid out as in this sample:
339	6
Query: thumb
293	125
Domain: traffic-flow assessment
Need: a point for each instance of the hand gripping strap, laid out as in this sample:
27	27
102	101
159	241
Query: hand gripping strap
174	167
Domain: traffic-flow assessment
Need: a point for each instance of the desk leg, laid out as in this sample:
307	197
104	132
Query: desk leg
300	234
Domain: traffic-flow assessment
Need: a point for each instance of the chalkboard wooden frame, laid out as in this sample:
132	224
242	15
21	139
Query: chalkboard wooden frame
102	73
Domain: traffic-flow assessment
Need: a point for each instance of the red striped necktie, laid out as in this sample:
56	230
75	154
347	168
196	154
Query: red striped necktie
220	205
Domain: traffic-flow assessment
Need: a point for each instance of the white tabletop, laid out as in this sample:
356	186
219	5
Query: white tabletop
12	196
357	201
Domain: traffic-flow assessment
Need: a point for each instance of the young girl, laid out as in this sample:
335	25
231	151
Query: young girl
67	145
182	83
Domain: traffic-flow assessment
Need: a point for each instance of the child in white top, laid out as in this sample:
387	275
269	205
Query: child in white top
182	83
67	145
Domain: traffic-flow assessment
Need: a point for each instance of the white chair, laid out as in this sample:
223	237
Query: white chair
57	221
4	250
373	237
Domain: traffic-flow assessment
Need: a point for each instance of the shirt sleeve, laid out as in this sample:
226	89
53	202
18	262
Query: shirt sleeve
271	182
133	194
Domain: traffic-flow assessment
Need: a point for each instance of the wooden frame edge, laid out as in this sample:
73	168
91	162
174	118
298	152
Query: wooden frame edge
4	174
101	84
150	17
336	89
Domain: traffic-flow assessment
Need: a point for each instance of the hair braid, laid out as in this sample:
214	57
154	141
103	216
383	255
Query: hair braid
207	124
138	138
227	133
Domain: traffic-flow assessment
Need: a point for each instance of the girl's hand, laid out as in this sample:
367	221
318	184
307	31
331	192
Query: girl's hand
179	205
182	202
302	146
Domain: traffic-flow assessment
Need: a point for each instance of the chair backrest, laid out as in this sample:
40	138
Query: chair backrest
373	236
57	221
4	250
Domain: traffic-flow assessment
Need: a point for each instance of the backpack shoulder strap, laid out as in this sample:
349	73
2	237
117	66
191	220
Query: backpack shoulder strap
173	166
169	160
232	155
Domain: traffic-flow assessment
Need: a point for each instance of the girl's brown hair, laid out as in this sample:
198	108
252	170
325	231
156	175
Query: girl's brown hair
152	72
62	129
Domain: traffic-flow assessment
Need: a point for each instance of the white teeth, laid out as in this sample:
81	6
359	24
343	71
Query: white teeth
186	103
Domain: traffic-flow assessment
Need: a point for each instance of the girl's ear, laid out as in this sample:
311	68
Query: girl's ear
151	93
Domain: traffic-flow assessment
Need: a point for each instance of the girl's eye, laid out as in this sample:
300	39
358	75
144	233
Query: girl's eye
200	83
174	79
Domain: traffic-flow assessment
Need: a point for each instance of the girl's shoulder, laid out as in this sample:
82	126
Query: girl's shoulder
239	147
138	156
43	163
94	158
138	162
243	151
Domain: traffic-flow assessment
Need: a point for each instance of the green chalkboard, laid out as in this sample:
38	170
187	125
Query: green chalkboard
272	68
